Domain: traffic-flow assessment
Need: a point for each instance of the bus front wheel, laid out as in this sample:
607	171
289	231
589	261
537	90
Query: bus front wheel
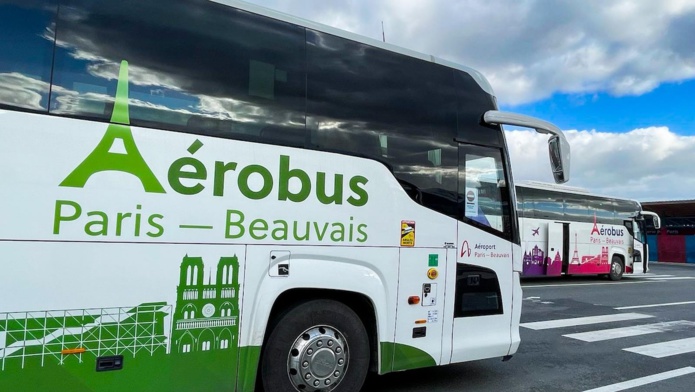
616	269
318	345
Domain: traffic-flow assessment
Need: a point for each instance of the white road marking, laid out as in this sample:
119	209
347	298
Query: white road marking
589	284
673	278
638	382
654	305
584	321
616	333
653	276
665	349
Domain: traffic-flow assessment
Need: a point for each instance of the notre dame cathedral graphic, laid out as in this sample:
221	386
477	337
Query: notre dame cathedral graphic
206	315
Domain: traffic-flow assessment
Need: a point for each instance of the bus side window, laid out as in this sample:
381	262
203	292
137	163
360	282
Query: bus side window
285	136
226	74
483	191
357	104
27	38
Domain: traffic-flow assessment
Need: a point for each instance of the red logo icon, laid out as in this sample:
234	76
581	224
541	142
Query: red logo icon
465	249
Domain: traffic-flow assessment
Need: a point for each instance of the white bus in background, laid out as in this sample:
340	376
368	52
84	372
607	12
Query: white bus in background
200	194
569	231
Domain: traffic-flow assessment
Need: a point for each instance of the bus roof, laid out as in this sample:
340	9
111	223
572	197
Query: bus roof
256	9
567	189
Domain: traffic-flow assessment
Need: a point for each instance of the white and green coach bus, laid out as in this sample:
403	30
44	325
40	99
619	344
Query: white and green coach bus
207	196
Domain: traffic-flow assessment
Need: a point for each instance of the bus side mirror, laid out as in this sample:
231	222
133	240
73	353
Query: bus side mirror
655	219
559	151
656	222
557	145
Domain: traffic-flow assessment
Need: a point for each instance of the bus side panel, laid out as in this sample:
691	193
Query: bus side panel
592	247
484	298
534	241
366	271
542	244
168	313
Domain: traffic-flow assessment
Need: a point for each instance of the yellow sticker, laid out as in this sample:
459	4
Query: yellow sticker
407	233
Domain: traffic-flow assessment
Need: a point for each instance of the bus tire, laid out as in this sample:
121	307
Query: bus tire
616	269
316	345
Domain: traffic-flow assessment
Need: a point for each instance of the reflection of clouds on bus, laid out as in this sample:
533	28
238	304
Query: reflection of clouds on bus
165	83
21	90
154	51
265	80
217	92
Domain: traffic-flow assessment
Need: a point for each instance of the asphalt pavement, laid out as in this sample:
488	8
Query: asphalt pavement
585	334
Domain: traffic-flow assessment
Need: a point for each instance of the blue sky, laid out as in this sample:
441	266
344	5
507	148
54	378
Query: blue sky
618	76
671	105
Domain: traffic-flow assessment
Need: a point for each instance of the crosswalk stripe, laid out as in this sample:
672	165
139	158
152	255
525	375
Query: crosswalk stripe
638	382
637	330
665	349
584	321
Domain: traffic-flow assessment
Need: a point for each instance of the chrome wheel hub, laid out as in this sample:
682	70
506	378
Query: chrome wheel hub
318	359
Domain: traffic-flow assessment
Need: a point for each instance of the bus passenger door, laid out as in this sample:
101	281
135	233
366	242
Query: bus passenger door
486	290
420	311
640	261
555	258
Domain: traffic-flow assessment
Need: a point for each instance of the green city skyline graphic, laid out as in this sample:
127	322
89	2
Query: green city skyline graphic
205	318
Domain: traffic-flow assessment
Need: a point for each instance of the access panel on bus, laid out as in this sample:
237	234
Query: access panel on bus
420	310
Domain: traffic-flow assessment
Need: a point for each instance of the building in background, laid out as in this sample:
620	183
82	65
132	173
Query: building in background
675	241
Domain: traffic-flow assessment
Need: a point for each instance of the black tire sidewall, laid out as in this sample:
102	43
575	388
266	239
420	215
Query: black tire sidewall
613	276
301	317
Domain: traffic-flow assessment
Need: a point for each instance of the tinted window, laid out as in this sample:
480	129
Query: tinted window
477	292
526	202
542	204
27	35
194	66
626	209
398	110
485	196
473	102
576	208
520	202
603	210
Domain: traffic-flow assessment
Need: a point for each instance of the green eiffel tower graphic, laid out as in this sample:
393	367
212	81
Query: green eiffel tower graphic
103	159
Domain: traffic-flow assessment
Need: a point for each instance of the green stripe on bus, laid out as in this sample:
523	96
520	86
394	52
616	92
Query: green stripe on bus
396	356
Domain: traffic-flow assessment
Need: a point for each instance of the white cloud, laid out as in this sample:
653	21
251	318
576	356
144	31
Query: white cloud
530	49
645	164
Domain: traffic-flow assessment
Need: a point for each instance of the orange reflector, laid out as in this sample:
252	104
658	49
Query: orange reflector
69	351
413	300
422	321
